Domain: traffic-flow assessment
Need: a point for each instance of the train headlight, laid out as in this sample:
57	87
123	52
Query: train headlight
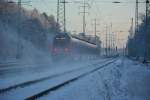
66	50
55	50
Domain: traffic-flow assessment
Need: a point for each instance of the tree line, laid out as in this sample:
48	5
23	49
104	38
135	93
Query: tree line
31	26
139	41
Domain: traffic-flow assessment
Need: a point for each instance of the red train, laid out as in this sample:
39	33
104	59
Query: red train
65	46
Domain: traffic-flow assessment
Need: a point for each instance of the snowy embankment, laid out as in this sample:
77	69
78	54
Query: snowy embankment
122	80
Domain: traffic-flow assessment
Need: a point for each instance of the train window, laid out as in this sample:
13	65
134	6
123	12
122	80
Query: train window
60	38
61	42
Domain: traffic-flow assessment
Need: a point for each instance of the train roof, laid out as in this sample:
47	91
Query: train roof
69	36
61	35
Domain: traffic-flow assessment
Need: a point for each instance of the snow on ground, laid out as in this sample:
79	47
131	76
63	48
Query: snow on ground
16	76
22	93
122	80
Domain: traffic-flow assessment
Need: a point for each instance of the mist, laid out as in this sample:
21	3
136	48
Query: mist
32	31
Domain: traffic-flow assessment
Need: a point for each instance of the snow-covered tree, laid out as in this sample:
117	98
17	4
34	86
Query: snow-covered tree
28	25
138	45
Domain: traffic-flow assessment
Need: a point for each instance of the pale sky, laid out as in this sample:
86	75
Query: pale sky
105	11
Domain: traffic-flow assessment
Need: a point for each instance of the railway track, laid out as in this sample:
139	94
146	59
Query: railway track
7	67
75	75
30	82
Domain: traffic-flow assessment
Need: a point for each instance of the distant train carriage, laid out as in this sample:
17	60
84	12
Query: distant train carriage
65	46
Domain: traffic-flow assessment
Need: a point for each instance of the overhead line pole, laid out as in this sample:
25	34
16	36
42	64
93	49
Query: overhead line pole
111	41
132	29
146	30
19	48
58	2
64	16
136	17
61	14
84	17
95	29
84	6
106	43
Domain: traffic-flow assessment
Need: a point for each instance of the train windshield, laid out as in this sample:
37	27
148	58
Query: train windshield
61	41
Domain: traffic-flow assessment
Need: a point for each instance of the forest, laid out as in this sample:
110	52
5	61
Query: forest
29	29
139	41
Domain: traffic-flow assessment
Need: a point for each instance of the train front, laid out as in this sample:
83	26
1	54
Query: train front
61	47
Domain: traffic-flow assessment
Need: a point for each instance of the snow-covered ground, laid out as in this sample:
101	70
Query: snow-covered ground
21	93
32	72
122	80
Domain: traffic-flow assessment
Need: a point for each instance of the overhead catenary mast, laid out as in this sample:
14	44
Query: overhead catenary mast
84	17
19	46
84	6
106	46
61	14
146	29
136	17
58	2
131	29
95	29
